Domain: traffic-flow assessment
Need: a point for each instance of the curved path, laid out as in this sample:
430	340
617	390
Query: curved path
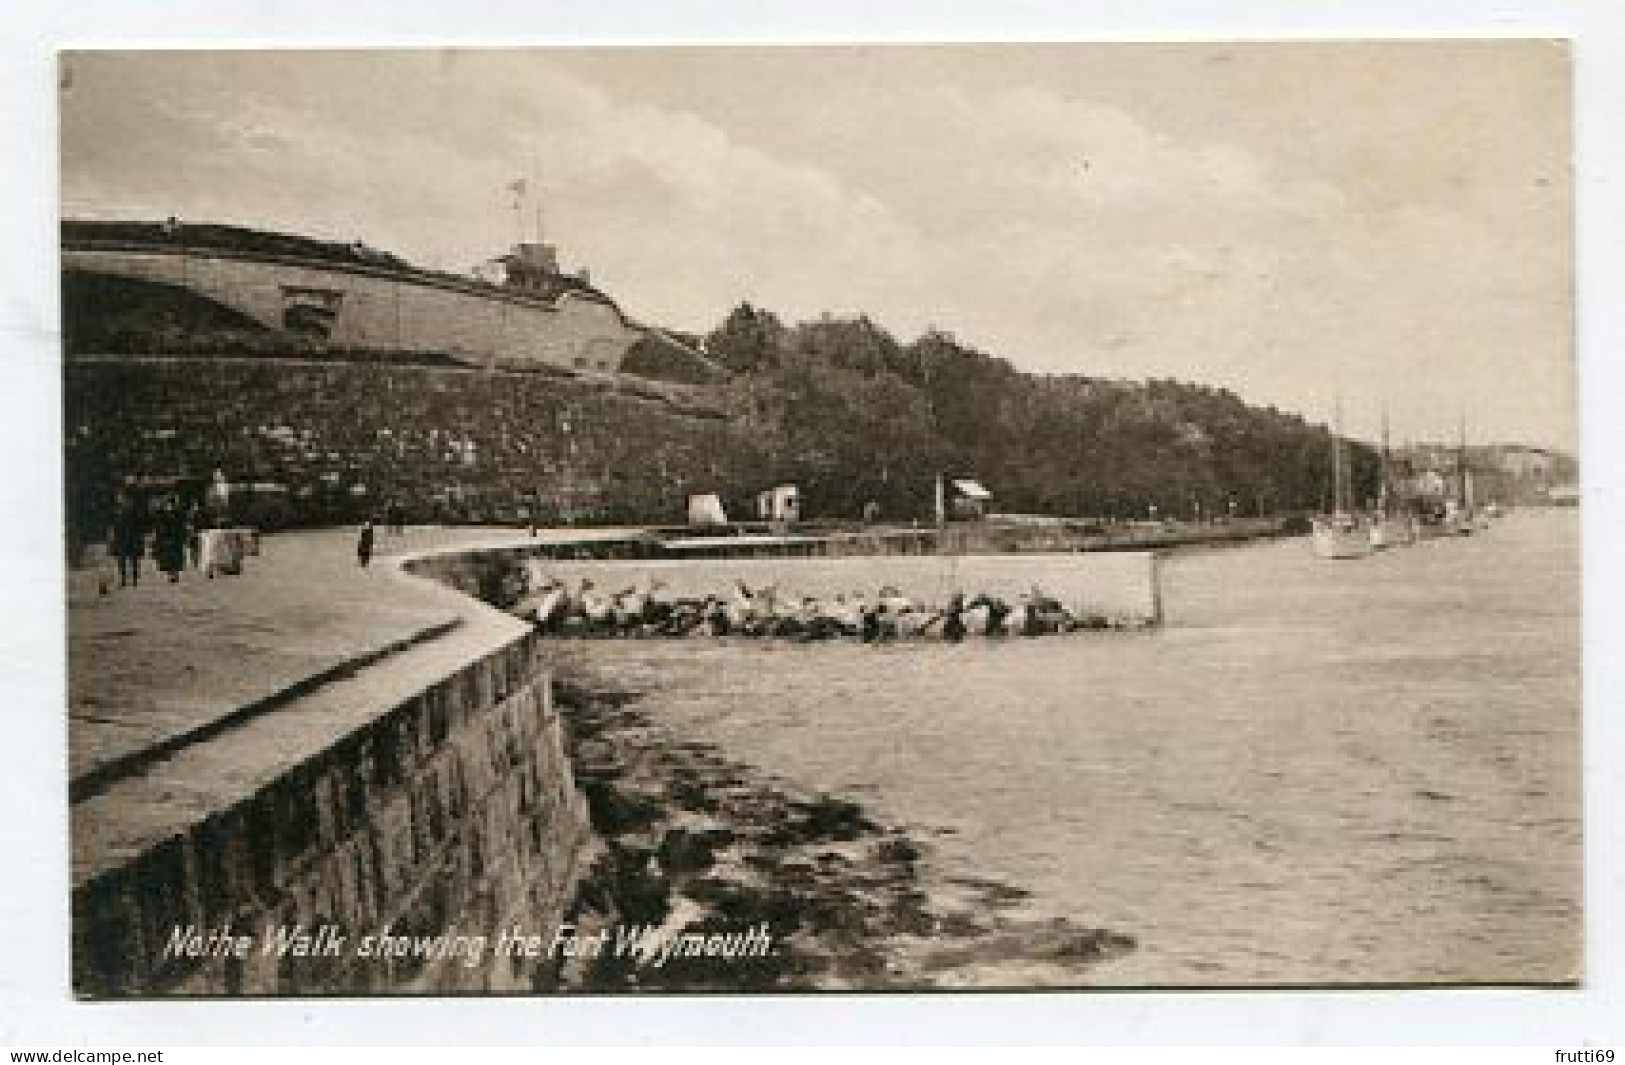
171	686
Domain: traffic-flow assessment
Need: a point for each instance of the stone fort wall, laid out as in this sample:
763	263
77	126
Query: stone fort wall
384	308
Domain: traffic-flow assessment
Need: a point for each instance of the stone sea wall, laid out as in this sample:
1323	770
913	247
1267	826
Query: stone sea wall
453	814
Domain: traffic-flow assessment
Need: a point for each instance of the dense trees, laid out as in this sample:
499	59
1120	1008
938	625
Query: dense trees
844	409
748	341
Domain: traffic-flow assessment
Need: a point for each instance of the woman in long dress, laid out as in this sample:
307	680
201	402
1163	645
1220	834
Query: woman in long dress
169	540
128	538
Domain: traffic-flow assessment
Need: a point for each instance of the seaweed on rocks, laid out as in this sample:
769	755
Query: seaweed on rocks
714	876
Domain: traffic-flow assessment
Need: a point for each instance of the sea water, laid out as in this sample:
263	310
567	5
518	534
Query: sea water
1362	771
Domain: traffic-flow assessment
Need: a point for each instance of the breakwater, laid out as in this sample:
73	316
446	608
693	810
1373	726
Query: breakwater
1118	585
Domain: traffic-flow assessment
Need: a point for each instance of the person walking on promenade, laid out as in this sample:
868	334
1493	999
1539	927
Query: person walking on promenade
194	535
363	544
169	539
953	619
129	533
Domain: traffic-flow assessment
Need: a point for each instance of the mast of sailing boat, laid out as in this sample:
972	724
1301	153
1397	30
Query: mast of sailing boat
949	576
1391	524
1338	509
1380	524
1464	503
1339	534
1387	458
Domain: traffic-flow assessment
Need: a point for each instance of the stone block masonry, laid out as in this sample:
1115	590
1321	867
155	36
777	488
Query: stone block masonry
388	858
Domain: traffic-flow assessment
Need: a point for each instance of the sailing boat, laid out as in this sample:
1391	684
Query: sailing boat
1394	525
1459	516
1341	533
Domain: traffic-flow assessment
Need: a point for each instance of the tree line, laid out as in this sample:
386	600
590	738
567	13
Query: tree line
854	416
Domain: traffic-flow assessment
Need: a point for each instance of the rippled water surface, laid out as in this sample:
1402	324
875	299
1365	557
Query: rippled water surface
1362	771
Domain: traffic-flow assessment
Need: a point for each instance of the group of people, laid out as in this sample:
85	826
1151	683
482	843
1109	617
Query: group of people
649	610
171	527
177	533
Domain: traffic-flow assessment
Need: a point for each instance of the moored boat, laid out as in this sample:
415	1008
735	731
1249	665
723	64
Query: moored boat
1392	525
1462	517
1393	530
1341	533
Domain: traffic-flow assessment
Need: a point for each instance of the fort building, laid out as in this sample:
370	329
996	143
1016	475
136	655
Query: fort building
353	295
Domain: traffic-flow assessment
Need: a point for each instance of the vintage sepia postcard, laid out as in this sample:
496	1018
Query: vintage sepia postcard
863	518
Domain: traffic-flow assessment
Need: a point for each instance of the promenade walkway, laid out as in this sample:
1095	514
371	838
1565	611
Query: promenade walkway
186	697
151	665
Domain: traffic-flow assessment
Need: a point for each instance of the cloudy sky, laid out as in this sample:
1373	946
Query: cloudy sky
1388	222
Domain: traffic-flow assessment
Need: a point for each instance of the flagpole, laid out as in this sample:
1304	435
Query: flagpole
536	172
520	188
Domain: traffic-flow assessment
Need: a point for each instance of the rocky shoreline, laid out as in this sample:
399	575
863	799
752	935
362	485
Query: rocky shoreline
703	848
